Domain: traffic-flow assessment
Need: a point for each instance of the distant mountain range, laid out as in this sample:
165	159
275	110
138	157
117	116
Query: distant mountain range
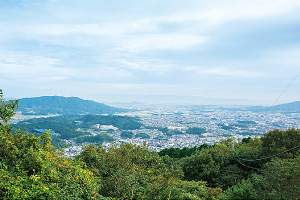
171	99
288	107
63	105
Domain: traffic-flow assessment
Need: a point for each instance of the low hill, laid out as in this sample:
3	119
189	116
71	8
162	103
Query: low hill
288	107
63	105
121	122
67	125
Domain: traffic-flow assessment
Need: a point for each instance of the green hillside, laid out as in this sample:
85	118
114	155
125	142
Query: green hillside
66	123
121	122
66	126
63	105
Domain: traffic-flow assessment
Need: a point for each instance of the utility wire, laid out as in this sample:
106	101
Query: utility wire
277	168
238	158
245	165
270	156
285	89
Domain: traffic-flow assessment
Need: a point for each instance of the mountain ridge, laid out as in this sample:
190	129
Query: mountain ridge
286	107
45	105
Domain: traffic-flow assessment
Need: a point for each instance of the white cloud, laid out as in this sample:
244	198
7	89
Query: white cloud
148	65
136	88
27	68
105	28
217	12
285	57
67	46
223	71
146	34
151	42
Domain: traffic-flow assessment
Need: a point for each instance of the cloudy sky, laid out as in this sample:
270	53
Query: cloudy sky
95	49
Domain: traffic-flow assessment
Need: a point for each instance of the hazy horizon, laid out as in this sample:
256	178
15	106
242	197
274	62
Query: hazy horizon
123	99
218	52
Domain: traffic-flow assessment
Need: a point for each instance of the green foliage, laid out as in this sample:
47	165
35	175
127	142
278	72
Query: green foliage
216	165
132	172
66	130
127	134
67	127
99	139
277	141
165	130
142	135
246	140
7	111
129	172
32	169
250	149
244	190
181	153
121	122
189	190
58	143
278	179
173	132
196	131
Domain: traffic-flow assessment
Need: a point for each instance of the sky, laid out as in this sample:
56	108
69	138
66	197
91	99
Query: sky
232	51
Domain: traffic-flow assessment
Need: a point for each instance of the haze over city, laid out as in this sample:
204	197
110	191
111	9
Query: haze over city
205	52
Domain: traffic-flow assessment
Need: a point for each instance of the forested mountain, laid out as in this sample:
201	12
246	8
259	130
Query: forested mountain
288	107
63	105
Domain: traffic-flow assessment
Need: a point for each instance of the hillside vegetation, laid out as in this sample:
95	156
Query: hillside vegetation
67	127
259	168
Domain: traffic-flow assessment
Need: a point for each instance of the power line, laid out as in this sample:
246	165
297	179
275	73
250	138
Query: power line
285	89
276	168
238	158
270	156
245	165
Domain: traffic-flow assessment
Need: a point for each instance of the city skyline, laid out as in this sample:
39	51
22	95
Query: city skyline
243	52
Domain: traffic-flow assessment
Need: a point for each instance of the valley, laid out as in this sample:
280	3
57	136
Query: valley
159	126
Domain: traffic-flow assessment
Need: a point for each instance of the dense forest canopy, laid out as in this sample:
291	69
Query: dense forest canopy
256	168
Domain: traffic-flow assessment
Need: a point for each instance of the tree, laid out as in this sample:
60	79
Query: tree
278	179
130	171
208	164
31	168
277	141
243	190
7	111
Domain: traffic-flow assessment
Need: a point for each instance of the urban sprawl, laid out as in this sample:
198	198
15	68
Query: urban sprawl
219	123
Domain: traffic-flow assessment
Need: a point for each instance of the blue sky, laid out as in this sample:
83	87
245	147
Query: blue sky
245	50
